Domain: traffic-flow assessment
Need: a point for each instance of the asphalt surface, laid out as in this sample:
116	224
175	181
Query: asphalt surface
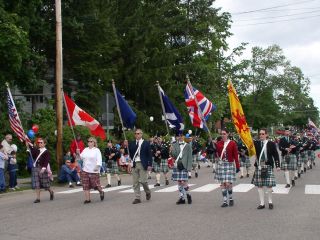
295	215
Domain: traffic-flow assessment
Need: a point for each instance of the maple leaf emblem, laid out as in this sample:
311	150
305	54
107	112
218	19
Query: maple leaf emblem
85	116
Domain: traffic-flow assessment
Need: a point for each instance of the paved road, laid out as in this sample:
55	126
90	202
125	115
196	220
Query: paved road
295	214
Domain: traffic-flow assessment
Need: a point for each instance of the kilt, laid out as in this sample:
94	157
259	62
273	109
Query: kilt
162	167
292	165
179	175
114	168
313	156
90	180
299	161
269	181
226	172
246	163
303	157
40	180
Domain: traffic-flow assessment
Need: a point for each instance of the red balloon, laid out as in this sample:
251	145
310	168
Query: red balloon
35	128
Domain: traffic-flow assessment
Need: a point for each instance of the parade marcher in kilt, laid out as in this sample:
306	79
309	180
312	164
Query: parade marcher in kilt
40	176
227	151
141	157
181	151
211	152
303	155
296	141
312	145
267	156
244	159
289	160
160	162
112	154
92	162
196	148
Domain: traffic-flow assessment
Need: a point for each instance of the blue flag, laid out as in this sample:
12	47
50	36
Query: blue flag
173	117
128	116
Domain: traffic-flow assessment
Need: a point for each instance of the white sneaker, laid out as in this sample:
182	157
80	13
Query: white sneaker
16	187
12	189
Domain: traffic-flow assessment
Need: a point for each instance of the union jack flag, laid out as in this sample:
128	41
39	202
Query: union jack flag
191	94
14	119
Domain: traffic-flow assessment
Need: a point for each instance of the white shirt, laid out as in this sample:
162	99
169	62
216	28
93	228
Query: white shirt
137	156
91	158
265	149
6	146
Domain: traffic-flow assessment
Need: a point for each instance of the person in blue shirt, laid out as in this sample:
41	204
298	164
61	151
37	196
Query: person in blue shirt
68	174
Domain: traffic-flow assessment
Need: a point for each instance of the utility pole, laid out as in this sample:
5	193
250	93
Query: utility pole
59	83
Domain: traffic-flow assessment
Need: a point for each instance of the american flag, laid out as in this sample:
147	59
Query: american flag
14	119
206	106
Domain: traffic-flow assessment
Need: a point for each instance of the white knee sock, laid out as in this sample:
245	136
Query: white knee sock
261	196
158	177
109	178
269	191
117	176
242	170
287	175
296	173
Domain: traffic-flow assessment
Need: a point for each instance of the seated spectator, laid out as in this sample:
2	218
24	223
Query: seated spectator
69	174
74	162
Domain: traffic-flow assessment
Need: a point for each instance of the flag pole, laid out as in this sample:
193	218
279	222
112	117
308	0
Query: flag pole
115	95
69	118
163	110
196	100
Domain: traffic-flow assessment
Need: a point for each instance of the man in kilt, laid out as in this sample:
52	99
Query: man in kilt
227	152
160	162
182	153
244	159
267	155
196	148
303	155
112	154
289	159
312	145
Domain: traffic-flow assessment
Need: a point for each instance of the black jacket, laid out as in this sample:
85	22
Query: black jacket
272	153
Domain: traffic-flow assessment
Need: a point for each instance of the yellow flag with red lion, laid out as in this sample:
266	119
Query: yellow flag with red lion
239	119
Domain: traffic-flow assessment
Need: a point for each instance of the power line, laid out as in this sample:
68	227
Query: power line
272	17
285	20
263	9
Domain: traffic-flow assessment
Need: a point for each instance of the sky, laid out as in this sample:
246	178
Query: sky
291	24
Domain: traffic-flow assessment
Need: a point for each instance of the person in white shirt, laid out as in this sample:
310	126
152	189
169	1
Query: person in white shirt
92	161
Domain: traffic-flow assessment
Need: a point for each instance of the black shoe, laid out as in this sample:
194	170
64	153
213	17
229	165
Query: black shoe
102	195
310	166
295	178
293	183
181	201
299	175
119	183
224	205
208	166
51	195
148	196
260	207
231	202
136	201
241	177
87	201
36	201
108	186
199	166
248	175
196	175
149	177
287	186
270	206
189	198
213	171
314	164
189	177
167	182
157	185
305	170
71	186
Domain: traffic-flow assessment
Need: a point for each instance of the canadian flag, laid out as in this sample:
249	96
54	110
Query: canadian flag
80	117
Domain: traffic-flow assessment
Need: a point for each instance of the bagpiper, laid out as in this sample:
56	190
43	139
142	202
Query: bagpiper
112	154
244	159
160	162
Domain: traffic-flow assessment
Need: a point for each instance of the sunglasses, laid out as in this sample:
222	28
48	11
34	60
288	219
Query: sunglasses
137	133
262	134
90	141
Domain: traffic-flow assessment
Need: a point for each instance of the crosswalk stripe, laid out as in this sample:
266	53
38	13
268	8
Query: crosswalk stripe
206	188
312	189
280	189
171	189
113	188
131	190
243	187
71	191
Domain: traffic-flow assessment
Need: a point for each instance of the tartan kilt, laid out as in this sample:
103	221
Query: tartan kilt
162	167
226	172
299	161
40	180
245	163
313	156
179	175
303	157
292	165
90	180
269	181
114	168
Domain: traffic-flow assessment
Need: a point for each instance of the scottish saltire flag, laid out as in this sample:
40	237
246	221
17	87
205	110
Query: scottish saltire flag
205	105
127	114
173	117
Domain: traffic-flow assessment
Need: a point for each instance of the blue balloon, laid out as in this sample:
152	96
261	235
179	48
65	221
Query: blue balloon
31	134
118	146
187	135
